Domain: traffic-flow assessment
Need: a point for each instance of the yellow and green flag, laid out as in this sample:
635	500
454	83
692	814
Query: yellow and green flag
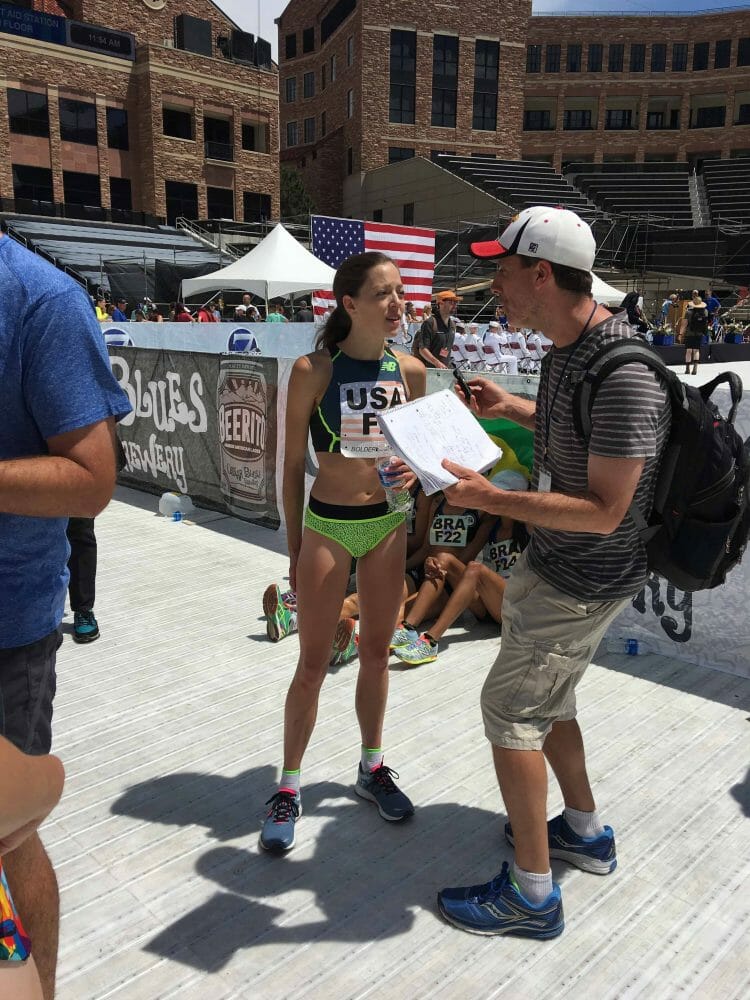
516	442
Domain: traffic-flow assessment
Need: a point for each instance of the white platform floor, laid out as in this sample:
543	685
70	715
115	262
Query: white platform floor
170	729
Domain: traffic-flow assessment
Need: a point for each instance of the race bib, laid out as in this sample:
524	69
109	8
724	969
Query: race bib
361	436
451	529
501	556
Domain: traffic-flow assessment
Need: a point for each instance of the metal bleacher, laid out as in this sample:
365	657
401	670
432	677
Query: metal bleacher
660	190
82	249
518	183
727	184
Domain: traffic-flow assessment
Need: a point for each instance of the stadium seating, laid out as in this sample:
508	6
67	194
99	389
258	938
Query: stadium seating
727	184
518	183
660	190
84	248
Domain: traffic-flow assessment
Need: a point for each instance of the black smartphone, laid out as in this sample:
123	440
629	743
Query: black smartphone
463	385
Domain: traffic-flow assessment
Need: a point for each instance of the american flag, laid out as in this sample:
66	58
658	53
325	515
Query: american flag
413	250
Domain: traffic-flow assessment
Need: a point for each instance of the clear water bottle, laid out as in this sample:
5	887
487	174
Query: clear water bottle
171	504
398	500
628	645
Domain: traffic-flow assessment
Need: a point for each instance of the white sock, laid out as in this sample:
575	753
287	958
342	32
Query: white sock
533	887
371	758
585	824
290	780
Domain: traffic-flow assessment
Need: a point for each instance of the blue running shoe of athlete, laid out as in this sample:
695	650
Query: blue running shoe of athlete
278	830
85	626
379	787
597	855
424	650
497	907
403	637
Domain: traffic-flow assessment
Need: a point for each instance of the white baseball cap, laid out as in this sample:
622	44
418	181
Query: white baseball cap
554	234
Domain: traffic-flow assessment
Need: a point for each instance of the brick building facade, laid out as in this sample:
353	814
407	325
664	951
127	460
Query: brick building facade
183	128
488	78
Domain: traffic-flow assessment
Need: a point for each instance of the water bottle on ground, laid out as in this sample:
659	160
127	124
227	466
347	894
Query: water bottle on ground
398	499
171	504
628	645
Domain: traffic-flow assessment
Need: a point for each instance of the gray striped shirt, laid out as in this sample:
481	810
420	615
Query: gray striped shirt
630	419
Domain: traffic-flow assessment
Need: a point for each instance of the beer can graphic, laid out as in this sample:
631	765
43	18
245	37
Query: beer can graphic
246	401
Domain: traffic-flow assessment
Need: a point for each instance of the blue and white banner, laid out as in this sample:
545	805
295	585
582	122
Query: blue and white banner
269	340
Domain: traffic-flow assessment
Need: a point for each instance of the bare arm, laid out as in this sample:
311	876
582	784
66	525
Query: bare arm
429	356
599	511
30	788
76	479
304	385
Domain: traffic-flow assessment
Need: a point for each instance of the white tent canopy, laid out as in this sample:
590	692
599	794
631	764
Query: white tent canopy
278	265
604	293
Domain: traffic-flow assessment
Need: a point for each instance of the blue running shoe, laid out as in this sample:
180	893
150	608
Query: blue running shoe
379	787
597	855
497	907
278	830
85	626
403	637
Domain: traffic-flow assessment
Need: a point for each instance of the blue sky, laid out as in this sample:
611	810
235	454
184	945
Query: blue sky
257	16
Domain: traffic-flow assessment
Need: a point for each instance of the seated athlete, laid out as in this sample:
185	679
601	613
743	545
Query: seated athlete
453	533
480	585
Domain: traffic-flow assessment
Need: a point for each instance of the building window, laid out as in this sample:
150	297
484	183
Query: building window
403	65
323	77
309	129
350	51
743	115
120	194
78	123
408	216
616	57
290	89
333	69
337	15
28	113
33	184
710	117
349	161
618	118
486	67
290	46
574	58
117	128
308	40
722	53
308	84
81	189
217	137
291	134
552	59
182	200
576	120
700	56
254	137
444	80
533	58
377	215
637	58
658	57
594	62
537	121
177	123
323	128
743	52
220	203
256	207
350	104
397	153
679	57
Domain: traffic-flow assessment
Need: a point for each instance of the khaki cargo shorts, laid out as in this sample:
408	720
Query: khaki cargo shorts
547	642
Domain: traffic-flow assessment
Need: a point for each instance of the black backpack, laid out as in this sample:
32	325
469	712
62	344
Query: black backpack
699	525
698	322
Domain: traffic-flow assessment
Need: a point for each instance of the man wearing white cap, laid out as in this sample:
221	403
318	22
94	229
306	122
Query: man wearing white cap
497	340
584	563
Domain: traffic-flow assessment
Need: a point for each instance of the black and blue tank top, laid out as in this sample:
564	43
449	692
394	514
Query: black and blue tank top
500	554
345	420
454	530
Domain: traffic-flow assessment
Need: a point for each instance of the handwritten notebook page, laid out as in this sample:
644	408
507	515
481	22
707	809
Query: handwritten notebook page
427	430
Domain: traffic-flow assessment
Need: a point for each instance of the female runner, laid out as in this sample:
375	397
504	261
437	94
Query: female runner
336	393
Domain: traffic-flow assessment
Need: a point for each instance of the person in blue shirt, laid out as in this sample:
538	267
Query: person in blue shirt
119	315
60	402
